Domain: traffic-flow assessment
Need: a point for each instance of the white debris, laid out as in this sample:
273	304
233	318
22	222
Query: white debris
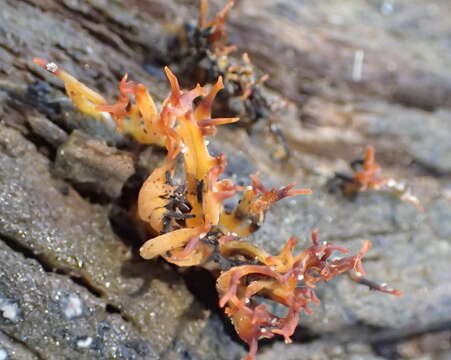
357	68
51	67
73	306
3	354
9	309
108	118
387	7
85	342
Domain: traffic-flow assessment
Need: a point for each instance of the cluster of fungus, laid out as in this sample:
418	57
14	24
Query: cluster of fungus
240	74
367	176
189	223
204	54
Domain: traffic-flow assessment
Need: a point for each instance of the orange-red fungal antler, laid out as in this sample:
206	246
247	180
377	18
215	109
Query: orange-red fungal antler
368	177
248	216
291	286
218	36
137	119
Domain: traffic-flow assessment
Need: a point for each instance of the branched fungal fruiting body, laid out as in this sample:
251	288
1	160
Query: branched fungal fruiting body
217	36
367	177
182	242
189	219
285	279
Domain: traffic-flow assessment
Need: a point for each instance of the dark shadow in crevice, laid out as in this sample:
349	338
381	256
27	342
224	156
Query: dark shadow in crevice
37	97
88	191
85	284
424	169
48	268
123	219
202	284
31	102
112	309
386	343
303	335
26	252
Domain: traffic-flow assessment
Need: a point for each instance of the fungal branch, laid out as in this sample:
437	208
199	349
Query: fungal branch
205	54
188	223
217	35
368	177
137	119
208	42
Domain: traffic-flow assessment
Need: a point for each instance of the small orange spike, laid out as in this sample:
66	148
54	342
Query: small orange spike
175	87
216	121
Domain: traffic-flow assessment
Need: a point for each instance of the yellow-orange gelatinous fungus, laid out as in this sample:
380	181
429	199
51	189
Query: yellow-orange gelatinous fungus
188	222
183	125
369	178
286	279
136	119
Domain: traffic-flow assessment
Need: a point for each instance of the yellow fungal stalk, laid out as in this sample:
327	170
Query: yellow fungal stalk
137	119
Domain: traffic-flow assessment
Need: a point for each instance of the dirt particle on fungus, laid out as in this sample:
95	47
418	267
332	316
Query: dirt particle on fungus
51	67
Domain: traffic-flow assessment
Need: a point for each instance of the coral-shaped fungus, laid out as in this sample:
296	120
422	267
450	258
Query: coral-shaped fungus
286	279
188	220
207	44
367	176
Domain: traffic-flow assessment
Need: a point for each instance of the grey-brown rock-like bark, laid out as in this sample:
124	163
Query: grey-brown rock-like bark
346	74
92	164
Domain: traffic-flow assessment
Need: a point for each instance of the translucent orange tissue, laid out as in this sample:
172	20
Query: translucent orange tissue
285	279
136	119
